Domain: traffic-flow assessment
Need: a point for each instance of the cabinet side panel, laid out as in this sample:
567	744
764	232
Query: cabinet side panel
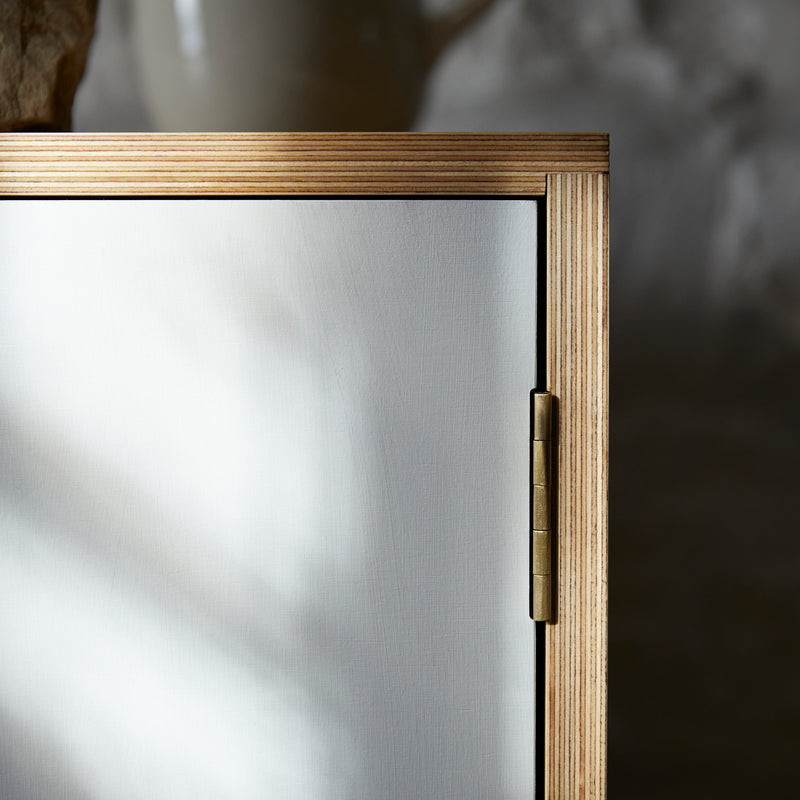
577	375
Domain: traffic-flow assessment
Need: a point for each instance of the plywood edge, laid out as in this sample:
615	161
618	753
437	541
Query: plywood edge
577	375
307	164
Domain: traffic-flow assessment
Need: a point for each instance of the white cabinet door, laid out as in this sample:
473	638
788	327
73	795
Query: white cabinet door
264	475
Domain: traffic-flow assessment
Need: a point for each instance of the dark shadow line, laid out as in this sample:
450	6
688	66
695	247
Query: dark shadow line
541	385
538	728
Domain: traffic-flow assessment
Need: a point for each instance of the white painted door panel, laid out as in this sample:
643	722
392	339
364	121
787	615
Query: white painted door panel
264	514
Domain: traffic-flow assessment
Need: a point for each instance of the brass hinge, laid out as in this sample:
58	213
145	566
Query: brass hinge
541	496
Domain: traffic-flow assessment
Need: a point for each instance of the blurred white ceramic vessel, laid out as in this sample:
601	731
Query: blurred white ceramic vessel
288	65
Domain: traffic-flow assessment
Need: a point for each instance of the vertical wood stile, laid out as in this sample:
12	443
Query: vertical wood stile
577	374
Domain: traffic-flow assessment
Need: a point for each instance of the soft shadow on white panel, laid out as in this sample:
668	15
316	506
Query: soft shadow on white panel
264	499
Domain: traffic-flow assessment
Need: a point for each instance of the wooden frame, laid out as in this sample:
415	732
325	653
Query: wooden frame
570	171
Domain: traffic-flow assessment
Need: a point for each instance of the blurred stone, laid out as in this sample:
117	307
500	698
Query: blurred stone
43	50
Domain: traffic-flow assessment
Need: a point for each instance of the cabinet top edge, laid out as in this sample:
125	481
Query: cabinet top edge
293	163
579	148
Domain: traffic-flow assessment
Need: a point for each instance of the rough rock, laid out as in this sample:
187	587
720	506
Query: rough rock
43	49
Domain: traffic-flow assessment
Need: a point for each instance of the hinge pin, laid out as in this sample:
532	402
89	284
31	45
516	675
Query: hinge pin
541	519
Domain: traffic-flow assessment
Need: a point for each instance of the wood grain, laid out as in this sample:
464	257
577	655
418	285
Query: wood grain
258	164
576	657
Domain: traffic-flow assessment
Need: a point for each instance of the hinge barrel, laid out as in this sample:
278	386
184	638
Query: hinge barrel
541	505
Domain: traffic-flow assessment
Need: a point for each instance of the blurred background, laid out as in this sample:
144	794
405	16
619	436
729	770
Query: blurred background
702	101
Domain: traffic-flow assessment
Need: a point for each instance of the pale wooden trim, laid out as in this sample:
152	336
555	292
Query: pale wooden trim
577	375
259	164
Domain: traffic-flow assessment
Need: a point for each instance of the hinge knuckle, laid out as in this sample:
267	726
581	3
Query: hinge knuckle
540	553
541	610
541	462
542	416
541	506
